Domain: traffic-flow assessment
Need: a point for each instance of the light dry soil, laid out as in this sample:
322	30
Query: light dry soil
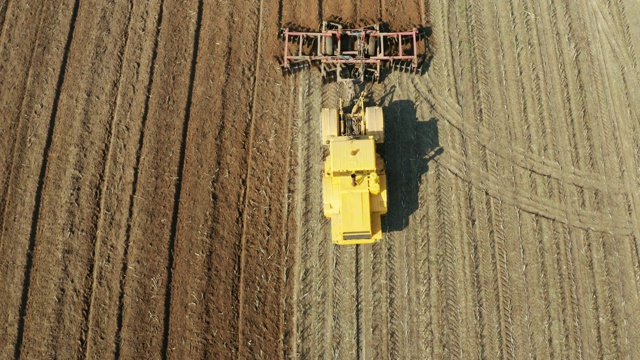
160	184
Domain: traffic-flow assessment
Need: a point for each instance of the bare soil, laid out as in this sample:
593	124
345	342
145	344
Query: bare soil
160	184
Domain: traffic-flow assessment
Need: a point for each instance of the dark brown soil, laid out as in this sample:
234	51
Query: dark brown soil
160	191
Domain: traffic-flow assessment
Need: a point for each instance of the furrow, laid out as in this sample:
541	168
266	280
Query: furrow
547	146
504	281
424	220
559	286
393	300
248	178
87	341
134	188
595	299
15	126
41	179
447	269
548	292
159	187
178	186
571	289
70	217
559	192
327	296
608	282
290	260
538	206
305	242
480	324
379	328
530	312
529	126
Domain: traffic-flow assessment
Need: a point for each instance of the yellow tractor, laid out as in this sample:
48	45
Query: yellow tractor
354	182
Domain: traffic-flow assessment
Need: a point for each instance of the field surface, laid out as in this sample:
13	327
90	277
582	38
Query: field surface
160	184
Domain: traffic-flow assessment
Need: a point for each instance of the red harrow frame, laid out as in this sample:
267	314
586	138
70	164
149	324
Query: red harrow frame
352	54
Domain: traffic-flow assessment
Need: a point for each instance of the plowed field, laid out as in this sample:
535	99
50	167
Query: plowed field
160	184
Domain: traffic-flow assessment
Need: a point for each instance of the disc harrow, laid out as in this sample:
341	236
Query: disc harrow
353	54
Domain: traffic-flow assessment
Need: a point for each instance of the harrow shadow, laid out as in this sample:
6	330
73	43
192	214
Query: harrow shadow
410	145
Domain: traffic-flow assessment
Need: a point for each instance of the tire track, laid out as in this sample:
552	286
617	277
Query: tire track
158	184
622	155
619	128
304	242
72	218
379	325
562	195
548	147
529	128
485	280
575	91
518	307
212	224
554	294
17	129
289	286
380	315
519	157
366	343
263	239
248	177
299	207
537	304
611	311
594	302
524	255
567	272
397	141
446	229
178	185
474	265
623	21
539	206
380	346
540	209
425	217
503	283
394	337
134	186
447	268
86	338
625	312
396	179
584	61
316	300
547	317
39	189
66	309
327	271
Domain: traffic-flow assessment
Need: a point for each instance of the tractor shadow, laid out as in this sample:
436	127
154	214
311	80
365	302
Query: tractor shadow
410	145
